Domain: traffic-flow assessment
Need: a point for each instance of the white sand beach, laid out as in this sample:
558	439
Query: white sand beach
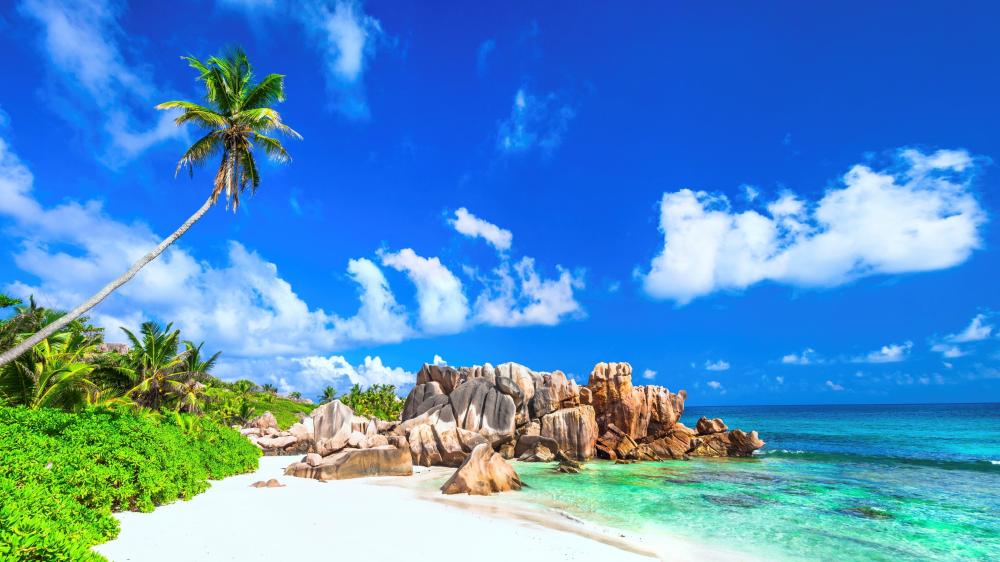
388	518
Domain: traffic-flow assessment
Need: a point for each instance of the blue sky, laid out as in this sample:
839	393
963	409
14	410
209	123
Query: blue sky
761	204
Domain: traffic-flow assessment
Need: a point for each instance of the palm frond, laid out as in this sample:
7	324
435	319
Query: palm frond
267	92
200	151
272	147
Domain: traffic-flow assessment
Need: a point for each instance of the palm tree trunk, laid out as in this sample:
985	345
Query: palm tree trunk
17	350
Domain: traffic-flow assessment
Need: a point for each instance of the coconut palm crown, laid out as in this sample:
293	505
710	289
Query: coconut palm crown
237	118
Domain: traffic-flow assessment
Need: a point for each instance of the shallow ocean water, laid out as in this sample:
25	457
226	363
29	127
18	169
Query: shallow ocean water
901	482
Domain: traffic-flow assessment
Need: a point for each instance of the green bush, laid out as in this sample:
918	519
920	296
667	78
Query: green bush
63	474
377	401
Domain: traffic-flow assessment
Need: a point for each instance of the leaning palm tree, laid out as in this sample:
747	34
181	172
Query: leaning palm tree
237	119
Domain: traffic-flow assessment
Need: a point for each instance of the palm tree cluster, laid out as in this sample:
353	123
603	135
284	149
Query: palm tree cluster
68	370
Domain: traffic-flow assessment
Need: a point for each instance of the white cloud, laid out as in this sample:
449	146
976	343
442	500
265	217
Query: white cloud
348	39
807	357
922	218
715	384
535	122
750	192
438	360
892	353
649	374
474	227
977	330
83	41
318	372
310	374
781	380
719	365
524	298
947	350
444	308
833	386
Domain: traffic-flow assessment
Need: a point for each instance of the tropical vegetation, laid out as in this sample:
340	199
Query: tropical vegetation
237	116
64	473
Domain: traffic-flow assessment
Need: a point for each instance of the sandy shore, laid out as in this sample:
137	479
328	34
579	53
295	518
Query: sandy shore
374	518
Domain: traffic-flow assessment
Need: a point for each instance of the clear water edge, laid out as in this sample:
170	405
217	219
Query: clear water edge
887	483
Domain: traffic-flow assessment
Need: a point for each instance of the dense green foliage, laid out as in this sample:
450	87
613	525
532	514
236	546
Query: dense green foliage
64	473
377	401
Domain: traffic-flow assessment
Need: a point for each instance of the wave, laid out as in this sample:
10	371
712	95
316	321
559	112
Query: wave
942	464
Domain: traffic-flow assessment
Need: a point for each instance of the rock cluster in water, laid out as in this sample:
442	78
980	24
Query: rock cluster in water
536	416
477	418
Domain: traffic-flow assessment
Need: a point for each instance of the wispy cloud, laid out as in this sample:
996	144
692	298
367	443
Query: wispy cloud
917	215
86	47
649	374
345	36
474	227
833	386
483	54
978	330
536	122
892	353
719	365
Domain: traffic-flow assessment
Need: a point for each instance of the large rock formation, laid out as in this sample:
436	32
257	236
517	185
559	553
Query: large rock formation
510	409
505	405
484	472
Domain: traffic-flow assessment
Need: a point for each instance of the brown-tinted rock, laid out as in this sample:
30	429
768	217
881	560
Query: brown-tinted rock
421	398
356	463
527	443
398	441
573	429
659	410
330	419
423	446
300	432
312	459
447	377
614	399
263	422
674	445
483	472
455	444
706	426
733	443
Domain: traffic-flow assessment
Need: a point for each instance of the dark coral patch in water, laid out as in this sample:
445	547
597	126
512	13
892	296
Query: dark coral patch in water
866	512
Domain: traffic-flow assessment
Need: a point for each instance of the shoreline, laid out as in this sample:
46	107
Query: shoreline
378	517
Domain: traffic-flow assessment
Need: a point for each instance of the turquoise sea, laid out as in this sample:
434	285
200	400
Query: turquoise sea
900	483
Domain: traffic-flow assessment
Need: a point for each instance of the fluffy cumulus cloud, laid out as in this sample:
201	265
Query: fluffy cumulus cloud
715	385
524	297
536	122
474	227
918	215
444	308
892	353
830	385
85	47
719	365
649	374
346	38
